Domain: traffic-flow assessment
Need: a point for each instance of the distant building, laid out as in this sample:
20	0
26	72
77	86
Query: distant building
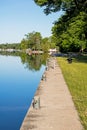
52	51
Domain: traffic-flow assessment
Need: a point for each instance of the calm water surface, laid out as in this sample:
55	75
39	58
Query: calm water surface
17	87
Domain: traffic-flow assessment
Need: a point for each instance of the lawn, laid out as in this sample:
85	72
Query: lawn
75	75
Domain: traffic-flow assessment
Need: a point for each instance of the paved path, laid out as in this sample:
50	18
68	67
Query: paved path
57	111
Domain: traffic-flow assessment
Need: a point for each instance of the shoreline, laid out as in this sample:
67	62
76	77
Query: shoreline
55	110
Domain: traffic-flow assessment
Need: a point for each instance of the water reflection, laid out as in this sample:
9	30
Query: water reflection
32	62
17	86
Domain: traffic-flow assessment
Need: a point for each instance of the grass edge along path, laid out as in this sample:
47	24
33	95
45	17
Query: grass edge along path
75	75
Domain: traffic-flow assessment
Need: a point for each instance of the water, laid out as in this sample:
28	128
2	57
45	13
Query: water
17	87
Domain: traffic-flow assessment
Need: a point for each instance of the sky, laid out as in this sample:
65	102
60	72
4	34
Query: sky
20	17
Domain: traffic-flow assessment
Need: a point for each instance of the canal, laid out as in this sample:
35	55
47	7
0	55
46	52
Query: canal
19	79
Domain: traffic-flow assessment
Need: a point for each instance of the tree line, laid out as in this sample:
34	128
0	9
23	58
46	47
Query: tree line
33	41
10	46
69	32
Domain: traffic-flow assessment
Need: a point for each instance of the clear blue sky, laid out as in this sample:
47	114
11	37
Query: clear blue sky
19	17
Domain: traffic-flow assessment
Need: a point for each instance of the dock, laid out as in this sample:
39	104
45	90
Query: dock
55	109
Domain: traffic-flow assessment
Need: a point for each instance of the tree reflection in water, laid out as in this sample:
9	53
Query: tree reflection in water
32	62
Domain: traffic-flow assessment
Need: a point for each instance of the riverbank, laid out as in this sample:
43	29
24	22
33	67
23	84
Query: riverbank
57	111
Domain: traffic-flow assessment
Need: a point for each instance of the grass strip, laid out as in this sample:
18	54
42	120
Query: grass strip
75	75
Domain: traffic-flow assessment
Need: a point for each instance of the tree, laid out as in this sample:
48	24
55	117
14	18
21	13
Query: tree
23	44
66	5
71	34
52	42
32	40
45	44
10	46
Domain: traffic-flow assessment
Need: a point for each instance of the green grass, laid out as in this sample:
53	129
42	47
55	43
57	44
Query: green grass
75	75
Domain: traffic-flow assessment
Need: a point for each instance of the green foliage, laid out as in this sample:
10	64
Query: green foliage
66	5
51	5
71	32
41	2
32	40
45	45
52	42
10	46
35	41
23	44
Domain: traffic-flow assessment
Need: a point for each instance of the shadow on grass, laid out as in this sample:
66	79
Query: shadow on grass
81	58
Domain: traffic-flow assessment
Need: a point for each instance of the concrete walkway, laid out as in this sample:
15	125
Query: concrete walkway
57	111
